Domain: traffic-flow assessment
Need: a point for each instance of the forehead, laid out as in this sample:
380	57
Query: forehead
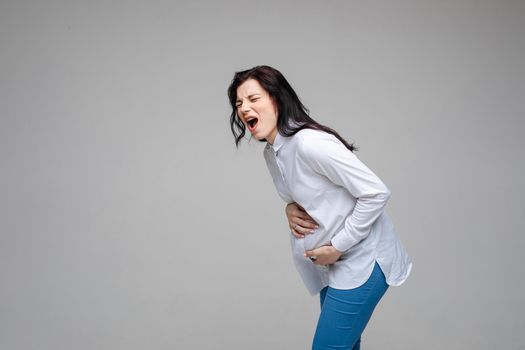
250	87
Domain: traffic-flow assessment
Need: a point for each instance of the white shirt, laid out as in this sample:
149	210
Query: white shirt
315	170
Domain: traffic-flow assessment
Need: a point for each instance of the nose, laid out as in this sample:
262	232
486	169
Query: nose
245	108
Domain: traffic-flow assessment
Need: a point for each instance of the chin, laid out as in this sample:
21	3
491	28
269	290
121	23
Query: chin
259	136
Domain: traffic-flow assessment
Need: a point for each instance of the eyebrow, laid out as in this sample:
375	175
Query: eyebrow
249	96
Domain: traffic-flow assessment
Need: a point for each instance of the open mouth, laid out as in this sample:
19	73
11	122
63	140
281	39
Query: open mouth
251	123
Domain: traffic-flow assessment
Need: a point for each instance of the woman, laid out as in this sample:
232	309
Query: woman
343	243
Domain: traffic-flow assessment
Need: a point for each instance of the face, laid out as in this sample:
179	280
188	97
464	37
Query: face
257	110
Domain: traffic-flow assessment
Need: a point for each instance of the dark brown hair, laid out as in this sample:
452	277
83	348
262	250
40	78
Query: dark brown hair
292	114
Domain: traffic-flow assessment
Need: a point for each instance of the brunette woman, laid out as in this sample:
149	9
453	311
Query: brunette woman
343	242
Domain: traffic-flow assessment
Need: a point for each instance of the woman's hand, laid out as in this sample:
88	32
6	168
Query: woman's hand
300	222
325	255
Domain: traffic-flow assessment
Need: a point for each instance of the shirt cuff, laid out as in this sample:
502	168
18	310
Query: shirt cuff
341	243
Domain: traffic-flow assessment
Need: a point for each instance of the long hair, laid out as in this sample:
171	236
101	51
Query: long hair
292	114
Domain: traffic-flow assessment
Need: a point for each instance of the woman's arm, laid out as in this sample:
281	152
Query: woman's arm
328	157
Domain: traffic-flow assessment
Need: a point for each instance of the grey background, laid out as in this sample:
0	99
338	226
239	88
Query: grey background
129	221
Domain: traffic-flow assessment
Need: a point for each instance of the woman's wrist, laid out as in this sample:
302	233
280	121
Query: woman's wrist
336	251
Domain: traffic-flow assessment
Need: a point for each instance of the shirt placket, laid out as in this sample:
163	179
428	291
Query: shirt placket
281	170
280	167
300	242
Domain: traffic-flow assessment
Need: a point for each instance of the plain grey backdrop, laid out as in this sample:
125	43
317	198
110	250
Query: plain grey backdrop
128	220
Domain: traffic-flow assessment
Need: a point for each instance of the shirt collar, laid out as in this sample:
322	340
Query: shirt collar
277	142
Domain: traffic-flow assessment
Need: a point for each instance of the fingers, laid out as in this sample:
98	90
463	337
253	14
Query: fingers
299	231
312	255
301	223
307	224
302	228
296	233
305	221
325	255
294	209
302	215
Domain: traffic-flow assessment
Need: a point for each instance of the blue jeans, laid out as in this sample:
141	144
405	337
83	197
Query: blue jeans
345	313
